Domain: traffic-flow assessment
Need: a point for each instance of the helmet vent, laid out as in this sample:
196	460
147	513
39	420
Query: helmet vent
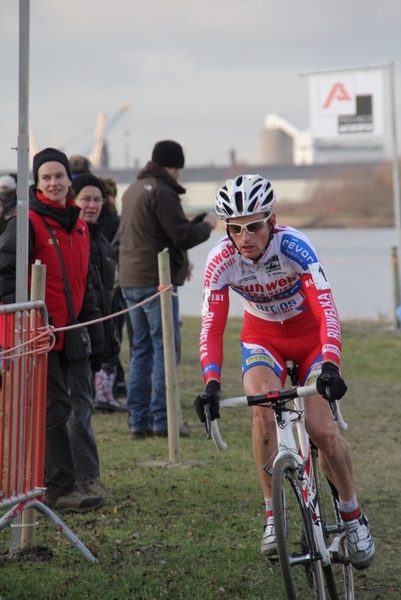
251	206
225	197
255	190
228	209
269	198
239	201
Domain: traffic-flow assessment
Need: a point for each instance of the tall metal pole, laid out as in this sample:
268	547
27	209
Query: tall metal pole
23	155
21	289
396	176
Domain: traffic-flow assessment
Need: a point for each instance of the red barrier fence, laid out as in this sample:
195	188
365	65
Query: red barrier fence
26	340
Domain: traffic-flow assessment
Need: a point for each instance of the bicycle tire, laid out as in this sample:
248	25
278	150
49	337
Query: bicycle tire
301	571
339	575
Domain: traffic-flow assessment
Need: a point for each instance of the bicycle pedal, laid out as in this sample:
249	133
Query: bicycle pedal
339	559
268	470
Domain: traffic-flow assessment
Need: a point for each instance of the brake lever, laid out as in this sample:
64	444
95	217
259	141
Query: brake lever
333	404
208	421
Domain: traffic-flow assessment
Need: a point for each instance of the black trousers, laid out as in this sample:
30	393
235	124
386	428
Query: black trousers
59	464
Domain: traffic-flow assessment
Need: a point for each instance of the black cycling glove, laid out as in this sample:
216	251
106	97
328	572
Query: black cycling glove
212	395
329	383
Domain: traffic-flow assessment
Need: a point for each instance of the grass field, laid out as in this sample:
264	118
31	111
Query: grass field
192	531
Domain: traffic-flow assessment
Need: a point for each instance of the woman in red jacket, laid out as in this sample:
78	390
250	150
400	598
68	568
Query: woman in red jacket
51	205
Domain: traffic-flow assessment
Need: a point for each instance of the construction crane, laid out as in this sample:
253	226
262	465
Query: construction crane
98	153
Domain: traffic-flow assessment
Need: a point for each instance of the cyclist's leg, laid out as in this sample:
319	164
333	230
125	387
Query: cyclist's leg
335	454
263	370
335	459
259	378
338	575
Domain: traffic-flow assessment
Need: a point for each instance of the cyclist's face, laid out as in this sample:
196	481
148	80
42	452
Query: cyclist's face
251	245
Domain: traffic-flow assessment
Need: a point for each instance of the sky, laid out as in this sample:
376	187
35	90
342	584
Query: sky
202	72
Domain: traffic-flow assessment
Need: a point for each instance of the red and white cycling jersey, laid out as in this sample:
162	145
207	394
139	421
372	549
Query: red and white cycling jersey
285	282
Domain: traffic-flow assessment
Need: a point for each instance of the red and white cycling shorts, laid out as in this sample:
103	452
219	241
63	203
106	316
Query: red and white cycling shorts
270	344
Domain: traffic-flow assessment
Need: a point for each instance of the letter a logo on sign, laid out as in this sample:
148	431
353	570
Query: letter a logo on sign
347	102
338	92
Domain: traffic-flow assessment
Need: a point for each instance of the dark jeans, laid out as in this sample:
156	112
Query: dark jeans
59	465
82	437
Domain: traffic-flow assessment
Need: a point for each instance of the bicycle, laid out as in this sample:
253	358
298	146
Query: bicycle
310	535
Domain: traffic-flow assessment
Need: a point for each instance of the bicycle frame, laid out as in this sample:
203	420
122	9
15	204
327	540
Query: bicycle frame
302	461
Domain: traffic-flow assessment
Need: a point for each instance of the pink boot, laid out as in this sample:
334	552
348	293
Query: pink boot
106	400
100	401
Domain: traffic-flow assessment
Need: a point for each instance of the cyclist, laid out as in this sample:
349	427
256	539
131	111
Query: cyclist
289	314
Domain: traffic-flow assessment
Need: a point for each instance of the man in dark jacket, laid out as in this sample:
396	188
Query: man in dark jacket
152	219
51	206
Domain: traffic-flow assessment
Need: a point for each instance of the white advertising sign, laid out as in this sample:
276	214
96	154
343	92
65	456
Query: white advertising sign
344	104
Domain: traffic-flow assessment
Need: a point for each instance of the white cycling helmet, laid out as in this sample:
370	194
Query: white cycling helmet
245	195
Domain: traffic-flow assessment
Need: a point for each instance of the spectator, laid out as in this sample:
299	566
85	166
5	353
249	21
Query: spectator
51	207
153	219
8	194
79	164
90	198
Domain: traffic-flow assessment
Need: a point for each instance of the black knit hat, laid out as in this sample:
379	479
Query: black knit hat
48	155
81	181
168	154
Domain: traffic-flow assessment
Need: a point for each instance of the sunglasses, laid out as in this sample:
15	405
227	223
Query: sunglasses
253	227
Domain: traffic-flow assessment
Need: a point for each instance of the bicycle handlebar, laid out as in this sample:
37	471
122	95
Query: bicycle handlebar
212	427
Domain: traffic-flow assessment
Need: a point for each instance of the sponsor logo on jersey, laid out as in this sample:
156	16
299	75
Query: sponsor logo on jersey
248	278
330	348
333	324
298	250
259	358
272	264
214	297
283	287
207	321
219	263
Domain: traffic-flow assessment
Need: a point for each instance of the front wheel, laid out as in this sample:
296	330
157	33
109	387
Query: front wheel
301	569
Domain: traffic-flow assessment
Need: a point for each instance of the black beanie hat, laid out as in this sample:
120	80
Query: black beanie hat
48	155
168	154
81	181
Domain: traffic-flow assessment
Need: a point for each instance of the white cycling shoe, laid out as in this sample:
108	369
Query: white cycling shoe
361	548
268	546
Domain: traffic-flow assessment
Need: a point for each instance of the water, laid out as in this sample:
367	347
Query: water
357	263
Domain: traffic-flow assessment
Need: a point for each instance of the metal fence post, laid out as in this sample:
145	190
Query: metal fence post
29	523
